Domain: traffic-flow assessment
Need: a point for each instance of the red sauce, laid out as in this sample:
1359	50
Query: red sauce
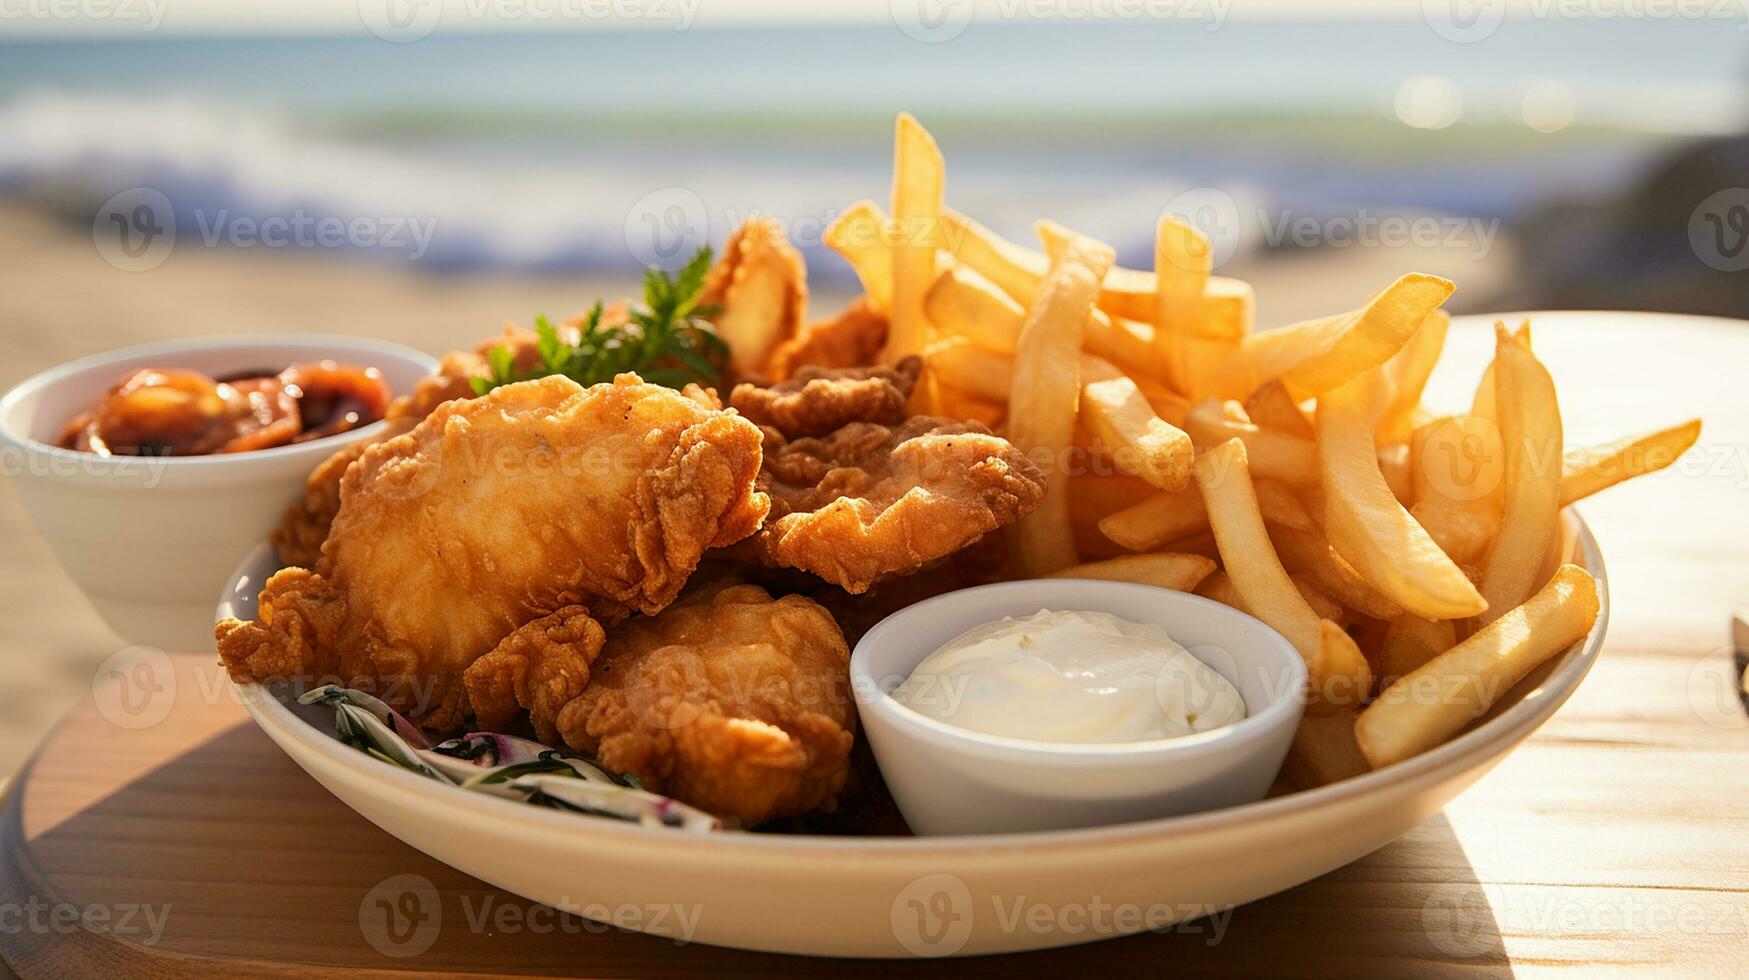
174	412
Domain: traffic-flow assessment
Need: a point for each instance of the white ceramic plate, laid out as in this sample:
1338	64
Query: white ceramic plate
936	896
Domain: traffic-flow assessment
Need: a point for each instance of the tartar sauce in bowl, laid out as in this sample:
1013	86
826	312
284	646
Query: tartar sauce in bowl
1073	677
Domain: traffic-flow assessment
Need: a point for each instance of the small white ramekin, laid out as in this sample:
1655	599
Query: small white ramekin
152	540
948	780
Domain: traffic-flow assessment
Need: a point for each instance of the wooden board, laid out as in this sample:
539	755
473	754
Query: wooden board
1614	840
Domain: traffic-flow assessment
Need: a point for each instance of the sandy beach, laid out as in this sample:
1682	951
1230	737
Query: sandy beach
62	301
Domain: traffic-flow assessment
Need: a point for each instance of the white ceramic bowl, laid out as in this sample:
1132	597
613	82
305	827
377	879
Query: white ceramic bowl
841	896
150	540
948	780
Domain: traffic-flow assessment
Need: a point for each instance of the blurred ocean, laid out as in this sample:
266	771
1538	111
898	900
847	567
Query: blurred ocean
560	152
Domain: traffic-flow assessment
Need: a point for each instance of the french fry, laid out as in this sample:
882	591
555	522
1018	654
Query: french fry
975	370
1324	751
1280	506
1274	454
962	302
1364	521
1016	270
1229	305
1113	407
1530	437
957	403
1126	293
1408	371
1457	459
1271	407
1482	406
1219	587
1200	543
1157	520
859	236
1044	392
1315	356
1457	470
1094	497
1181	573
986	373
1593	468
1394	467
1309	553
1339	674
1436	701
1322	604
966	301
1463	530
1409	642
1182	263
918	177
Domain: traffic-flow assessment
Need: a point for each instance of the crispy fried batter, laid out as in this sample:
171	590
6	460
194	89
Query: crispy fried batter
540	666
492	513
760	286
871	501
729	700
818	401
852	338
301	532
299	537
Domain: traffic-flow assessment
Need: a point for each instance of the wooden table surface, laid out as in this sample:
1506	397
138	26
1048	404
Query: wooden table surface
1613	840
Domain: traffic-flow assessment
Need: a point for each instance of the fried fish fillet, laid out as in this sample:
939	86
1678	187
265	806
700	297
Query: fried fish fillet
818	401
540	499
729	700
871	501
298	539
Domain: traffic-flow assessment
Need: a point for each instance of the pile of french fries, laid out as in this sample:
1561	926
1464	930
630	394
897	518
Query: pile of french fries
1291	473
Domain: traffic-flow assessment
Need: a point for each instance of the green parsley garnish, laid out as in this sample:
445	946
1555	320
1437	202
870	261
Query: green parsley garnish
666	341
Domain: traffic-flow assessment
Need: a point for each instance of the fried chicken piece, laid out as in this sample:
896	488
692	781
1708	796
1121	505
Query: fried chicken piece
760	286
818	401
729	700
540	666
872	501
299	537
852	338
298	540
492	513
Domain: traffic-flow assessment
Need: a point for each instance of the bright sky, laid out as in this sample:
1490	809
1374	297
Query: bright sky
38	18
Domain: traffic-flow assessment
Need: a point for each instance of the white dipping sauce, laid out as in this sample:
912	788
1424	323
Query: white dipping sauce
1070	676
